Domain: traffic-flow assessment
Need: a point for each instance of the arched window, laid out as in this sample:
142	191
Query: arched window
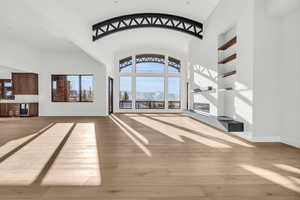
149	81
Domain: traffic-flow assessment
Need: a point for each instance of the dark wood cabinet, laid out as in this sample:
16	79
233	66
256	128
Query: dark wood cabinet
33	110
3	110
25	83
13	109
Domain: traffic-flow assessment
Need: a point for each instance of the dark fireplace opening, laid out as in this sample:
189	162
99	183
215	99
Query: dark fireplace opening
203	107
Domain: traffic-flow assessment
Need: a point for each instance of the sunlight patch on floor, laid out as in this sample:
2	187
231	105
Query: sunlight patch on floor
178	134
23	167
137	134
135	140
192	125
288	168
77	162
274	177
11	145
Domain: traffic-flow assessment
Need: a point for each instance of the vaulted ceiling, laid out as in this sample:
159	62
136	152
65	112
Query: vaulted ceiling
65	25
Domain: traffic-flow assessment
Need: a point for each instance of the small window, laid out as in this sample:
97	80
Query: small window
174	65
125	93
72	88
126	65
150	63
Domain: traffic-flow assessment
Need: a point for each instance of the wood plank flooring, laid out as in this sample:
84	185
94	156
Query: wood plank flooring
139	157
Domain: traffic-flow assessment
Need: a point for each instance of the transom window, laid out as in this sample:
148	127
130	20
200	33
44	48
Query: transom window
153	81
126	65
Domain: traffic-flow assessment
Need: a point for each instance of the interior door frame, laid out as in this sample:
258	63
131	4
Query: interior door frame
110	95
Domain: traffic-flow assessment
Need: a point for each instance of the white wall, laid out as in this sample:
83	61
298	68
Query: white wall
203	57
16	57
267	46
71	63
268	67
289	79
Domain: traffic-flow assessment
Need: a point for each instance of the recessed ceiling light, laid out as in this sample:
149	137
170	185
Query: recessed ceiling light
116	1
188	2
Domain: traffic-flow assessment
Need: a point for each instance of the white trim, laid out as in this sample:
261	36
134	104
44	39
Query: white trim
266	139
248	136
294	143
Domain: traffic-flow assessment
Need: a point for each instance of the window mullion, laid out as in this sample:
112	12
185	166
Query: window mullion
80	100
133	83
166	82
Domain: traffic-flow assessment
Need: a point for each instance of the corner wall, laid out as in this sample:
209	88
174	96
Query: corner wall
289	92
203	58
268	67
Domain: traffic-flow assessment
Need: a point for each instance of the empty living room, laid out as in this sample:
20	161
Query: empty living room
149	100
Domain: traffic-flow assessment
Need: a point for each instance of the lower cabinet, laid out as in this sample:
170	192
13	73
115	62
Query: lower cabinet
19	109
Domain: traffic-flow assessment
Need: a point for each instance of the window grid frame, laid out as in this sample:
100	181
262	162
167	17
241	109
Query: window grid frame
80	88
166	74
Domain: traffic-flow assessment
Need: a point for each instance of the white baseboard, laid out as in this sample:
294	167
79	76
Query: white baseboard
266	139
292	143
248	136
243	135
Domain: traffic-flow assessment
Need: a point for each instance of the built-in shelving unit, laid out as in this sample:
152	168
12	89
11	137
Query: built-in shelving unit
227	72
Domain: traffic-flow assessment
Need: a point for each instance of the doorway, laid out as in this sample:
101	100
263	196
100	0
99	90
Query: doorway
110	95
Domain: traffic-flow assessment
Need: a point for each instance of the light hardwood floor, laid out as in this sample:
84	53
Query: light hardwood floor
139	157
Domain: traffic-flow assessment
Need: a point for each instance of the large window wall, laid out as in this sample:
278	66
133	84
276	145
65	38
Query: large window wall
150	81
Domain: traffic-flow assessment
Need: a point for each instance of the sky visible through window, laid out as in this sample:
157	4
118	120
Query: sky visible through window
150	68
150	88
152	84
173	88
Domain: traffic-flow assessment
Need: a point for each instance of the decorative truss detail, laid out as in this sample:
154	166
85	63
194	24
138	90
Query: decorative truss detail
150	58
126	62
144	20
174	63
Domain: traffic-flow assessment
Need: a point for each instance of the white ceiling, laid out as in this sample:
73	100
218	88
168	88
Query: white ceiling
66	24
97	10
20	23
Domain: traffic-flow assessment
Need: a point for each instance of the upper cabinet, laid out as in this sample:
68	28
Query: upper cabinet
25	83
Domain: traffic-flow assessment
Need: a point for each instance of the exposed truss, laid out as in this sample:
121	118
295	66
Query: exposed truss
144	20
150	58
174	63
126	62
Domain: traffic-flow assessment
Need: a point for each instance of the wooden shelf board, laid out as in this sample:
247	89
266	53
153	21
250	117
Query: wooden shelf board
228	59
229	74
228	44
